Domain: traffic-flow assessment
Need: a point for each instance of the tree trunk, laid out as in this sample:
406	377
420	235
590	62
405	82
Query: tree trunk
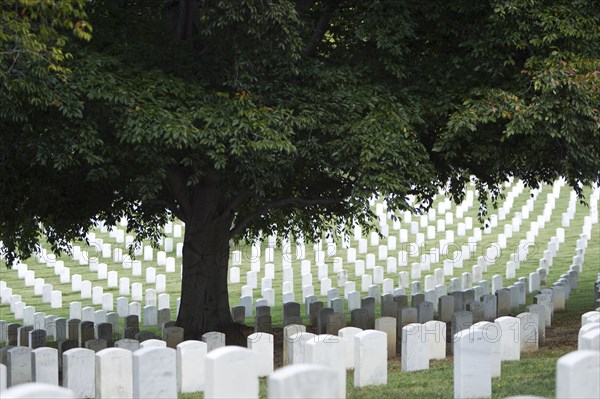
204	303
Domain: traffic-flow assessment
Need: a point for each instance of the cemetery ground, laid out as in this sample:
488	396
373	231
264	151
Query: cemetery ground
534	374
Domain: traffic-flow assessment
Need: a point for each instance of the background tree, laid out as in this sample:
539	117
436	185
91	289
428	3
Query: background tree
252	117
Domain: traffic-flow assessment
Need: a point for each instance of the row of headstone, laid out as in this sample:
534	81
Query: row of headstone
112	372
537	277
85	287
320	373
483	307
20	309
432	216
56	328
154	312
477	357
333	300
105	331
148	372
369	348
252	277
433	286
148	270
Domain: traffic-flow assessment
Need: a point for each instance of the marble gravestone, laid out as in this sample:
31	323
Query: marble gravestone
154	373
472	365
370	353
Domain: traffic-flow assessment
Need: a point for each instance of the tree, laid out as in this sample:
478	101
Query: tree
252	117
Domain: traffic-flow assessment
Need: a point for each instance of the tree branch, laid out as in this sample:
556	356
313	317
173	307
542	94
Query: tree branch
170	205
176	210
281	203
319	31
178	187
234	204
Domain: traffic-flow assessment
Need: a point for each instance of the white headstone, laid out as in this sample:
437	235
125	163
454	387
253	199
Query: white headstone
472	365
303	381
329	350
154	373
150	316
102	273
107	302
3	375
19	365
114	373
222	364
124	286
135	308
122	306
164	301
45	365
28	312
112	279
191	366
348	333
492	334
529	339
65	275
297	347
56	299
388	326
38	391
214	340
591	339
161	283
577	375
136	292
510	337
153	343
79	372
370	354
46	293
378	275
414	349
590	317
150	296
136	268
86	289
435	335
262	344
150	275
234	275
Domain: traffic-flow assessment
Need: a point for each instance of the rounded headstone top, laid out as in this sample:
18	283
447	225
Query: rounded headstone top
37	390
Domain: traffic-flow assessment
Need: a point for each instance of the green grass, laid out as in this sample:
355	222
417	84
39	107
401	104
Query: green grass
533	375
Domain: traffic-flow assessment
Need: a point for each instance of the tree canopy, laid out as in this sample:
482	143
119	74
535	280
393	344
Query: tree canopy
249	116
